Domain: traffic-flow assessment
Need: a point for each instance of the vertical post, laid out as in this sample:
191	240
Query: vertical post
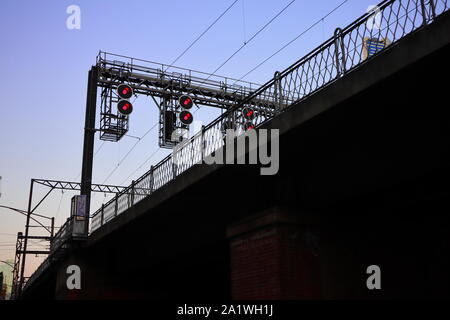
278	93
336	51
102	214
88	145
424	12
25	242
192	143
116	205
203	143
132	192
53	227
344	59
15	287
433	9
339	44
174	169
151	179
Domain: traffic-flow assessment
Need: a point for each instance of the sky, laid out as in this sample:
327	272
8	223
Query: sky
44	69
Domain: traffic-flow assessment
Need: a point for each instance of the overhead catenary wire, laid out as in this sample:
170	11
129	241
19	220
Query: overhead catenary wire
128	153
99	148
246	42
76	178
31	243
250	39
59	205
202	34
147	160
25	213
290	42
95	153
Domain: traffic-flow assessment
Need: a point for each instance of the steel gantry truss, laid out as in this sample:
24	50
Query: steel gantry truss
66	185
154	80
22	240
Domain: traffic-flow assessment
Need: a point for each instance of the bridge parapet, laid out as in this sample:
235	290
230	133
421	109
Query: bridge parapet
73	228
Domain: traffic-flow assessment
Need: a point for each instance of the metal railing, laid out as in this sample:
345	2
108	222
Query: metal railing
58	240
72	228
37	273
390	21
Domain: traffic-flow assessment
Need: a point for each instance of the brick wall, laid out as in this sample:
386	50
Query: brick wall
270	259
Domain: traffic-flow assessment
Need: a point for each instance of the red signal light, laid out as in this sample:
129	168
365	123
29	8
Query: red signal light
186	117
249	126
186	102
124	91
248	113
125	107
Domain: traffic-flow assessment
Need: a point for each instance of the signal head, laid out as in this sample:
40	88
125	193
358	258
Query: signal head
125	107
124	91
186	102
248	113
249	126
186	117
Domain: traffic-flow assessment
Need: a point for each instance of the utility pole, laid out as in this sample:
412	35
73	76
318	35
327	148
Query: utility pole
25	242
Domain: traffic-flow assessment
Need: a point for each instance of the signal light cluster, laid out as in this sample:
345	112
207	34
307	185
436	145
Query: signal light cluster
248	114
186	103
125	92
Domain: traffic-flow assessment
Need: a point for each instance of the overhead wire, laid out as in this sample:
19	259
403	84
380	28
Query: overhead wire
25	213
128	153
147	160
290	42
249	40
203	33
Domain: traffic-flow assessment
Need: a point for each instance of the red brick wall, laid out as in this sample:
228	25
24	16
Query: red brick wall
255	266
269	259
